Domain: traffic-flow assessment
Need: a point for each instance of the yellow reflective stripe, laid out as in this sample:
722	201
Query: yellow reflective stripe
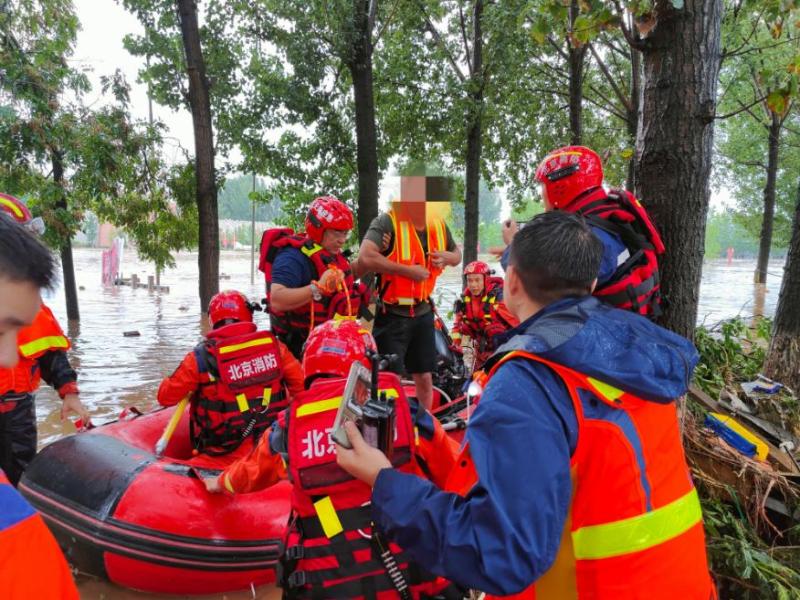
405	301
52	342
310	251
12	206
313	408
638	533
266	398
241	401
570	153
210	376
405	241
441	236
609	392
243	345
227	483
328	518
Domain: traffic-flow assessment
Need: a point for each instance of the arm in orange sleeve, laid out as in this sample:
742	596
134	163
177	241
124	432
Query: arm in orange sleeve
292	371
436	451
184	381
258	470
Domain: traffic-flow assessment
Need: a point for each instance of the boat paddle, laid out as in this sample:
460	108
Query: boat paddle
162	442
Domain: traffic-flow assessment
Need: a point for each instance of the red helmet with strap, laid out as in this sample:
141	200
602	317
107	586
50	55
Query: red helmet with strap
333	346
327	212
477	267
568	172
229	304
20	213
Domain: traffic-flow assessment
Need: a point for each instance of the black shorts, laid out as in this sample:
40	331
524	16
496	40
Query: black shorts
410	338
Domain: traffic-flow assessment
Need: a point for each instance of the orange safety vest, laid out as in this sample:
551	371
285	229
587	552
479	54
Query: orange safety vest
635	527
38	338
408	251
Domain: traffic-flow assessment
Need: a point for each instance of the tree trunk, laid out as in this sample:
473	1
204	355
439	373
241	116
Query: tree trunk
765	240
474	133
206	194
67	266
784	350
364	99
633	114
576	56
681	57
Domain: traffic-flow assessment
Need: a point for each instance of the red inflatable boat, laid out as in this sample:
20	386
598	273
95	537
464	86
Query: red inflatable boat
148	523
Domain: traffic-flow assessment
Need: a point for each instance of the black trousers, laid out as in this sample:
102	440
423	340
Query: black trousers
17	435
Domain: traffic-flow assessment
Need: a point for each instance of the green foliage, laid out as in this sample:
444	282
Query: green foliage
724	230
236	197
729	353
745	565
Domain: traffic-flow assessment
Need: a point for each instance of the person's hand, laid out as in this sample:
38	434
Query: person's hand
387	239
497	251
418	273
212	485
509	230
73	404
330	280
362	462
441	258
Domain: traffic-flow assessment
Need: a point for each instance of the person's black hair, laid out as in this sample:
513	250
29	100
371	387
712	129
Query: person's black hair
23	258
556	255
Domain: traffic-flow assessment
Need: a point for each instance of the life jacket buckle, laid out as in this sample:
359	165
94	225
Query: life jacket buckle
296	579
295	553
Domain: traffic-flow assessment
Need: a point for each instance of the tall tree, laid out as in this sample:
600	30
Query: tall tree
206	193
39	122
198	68
784	351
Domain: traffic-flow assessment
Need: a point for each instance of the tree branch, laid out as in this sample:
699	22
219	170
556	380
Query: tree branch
386	23
430	27
756	22
611	81
633	40
557	48
742	108
470	66
372	9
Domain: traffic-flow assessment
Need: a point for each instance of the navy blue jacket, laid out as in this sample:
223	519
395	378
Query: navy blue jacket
505	533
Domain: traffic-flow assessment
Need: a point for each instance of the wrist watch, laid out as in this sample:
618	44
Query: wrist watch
315	293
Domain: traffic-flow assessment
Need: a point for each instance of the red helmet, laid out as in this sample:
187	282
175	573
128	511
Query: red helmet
20	213
568	172
333	346
229	304
477	267
327	212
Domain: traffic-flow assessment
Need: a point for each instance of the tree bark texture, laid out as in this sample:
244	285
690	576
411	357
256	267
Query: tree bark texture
474	134
783	359
633	114
206	193
768	219
575	56
67	266
681	59
360	65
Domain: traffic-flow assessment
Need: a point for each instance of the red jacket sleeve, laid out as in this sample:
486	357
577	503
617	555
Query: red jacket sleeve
185	380
292	371
257	471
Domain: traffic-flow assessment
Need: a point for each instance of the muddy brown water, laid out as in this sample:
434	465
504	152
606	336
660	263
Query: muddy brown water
117	371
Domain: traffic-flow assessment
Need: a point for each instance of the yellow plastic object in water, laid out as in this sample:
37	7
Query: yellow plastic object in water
761	448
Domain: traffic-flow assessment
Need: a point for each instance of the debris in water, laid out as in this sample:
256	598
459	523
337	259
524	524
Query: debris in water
183	308
131	333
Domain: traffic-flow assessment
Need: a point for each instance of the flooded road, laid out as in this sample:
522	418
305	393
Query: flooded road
117	371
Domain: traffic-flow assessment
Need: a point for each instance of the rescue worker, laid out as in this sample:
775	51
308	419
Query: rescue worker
31	563
331	550
420	247
480	314
238	378
309	280
572	476
42	348
571	180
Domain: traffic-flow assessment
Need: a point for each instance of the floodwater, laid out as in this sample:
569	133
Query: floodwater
117	371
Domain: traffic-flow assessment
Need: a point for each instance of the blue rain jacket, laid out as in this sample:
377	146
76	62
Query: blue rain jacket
506	532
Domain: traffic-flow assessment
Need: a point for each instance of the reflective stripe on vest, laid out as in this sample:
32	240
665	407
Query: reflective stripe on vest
53	342
242	346
309	252
312	408
640	532
404	239
328	518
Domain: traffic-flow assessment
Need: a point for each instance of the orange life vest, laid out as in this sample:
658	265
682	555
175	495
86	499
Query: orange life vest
407	250
635	527
38	338
330	551
242	389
